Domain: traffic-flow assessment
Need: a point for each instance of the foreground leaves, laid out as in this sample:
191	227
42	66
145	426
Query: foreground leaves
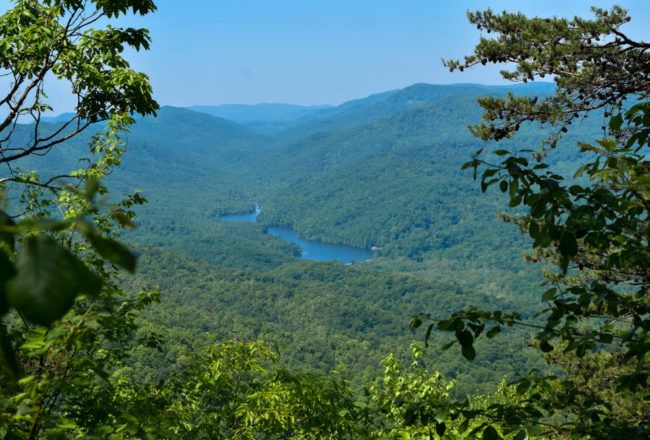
593	229
48	279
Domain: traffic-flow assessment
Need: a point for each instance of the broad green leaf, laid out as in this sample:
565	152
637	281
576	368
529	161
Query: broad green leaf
469	352
6	237
568	245
523	387
113	251
7	272
545	347
549	294
7	355
616	122
491	434
448	345
607	143
521	435
465	338
92	185
493	332
514	187
48	279
534	430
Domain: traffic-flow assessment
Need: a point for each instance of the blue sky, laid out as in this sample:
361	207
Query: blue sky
318	51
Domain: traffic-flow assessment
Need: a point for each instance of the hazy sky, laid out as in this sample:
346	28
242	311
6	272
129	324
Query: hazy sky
319	51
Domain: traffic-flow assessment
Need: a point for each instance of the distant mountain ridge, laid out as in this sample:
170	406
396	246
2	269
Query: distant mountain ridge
265	117
378	106
244	113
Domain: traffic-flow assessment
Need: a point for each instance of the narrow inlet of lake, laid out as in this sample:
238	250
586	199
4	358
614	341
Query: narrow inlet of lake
310	249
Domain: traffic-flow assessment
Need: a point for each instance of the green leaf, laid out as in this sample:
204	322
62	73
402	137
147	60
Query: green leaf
523	387
535	430
493	332
6	236
545	347
7	272
468	352
564	264
446	324
521	435
440	429
428	335
441	414
491	434
48	279
549	294
514	187
608	144
448	345
7	355
113	251
416	322
464	426
92	186
568	245
465	338
616	122
515	200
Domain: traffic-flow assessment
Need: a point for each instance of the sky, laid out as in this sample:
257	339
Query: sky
211	52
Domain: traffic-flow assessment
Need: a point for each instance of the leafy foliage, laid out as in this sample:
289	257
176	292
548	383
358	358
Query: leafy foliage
593	229
56	38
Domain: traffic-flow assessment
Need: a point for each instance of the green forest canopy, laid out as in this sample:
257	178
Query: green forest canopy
88	352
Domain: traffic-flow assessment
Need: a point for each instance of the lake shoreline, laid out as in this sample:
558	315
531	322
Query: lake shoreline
314	250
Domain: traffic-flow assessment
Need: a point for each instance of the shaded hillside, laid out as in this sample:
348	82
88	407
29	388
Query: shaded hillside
188	132
174	138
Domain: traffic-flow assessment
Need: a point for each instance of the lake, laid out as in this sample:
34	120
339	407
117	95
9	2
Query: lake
310	249
252	217
320	251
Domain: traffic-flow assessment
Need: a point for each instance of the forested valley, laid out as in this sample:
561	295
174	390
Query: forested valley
130	309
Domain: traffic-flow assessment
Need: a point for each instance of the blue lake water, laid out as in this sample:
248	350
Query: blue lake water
311	249
252	217
320	251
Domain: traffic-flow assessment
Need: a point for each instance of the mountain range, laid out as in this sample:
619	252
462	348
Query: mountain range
382	171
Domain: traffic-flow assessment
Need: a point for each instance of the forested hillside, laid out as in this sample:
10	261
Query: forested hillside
393	182
382	171
322	315
150	286
386	174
